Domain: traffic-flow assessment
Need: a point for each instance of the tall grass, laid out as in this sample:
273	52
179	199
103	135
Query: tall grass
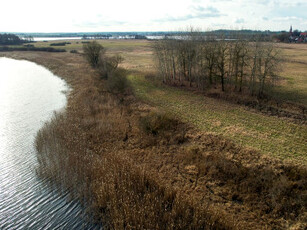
106	153
86	154
122	194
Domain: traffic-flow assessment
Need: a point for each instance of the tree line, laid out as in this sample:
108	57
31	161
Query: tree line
12	39
205	62
107	67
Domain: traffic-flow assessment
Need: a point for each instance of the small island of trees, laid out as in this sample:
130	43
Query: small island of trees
10	39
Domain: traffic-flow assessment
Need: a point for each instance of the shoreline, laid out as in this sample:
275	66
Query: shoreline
171	165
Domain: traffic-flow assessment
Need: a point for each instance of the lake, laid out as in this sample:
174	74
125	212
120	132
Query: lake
29	94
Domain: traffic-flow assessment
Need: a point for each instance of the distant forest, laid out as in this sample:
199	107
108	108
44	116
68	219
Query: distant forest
13	39
228	34
266	35
10	39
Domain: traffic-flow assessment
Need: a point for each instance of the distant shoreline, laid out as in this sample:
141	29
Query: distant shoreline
39	39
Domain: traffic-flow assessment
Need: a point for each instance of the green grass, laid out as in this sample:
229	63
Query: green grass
269	135
138	57
294	84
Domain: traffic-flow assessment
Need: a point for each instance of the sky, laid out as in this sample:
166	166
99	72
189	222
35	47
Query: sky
154	15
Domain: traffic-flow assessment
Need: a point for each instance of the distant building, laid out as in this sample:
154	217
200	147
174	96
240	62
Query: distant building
303	37
297	37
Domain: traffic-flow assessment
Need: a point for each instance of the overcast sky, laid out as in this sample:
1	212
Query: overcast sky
153	15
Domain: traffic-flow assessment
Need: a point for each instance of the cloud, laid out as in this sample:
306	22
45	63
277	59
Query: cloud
284	19
297	22
292	11
100	23
201	9
240	21
198	12
155	15
263	2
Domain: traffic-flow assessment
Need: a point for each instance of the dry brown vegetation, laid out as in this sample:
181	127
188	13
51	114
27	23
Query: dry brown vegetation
144	169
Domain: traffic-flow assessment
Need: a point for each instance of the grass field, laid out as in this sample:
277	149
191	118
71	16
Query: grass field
138	57
269	135
294	73
98	146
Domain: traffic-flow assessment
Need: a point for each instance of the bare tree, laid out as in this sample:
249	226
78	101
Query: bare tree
210	59
92	52
270	63
238	62
222	52
265	63
196	59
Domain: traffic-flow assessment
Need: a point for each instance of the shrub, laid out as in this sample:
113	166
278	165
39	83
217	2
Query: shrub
28	45
157	122
44	49
92	52
10	39
117	82
60	44
74	51
107	65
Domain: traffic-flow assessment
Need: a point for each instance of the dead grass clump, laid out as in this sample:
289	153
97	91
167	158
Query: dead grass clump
268	187
122	194
156	123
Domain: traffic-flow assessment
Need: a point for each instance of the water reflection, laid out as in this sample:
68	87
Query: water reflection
29	94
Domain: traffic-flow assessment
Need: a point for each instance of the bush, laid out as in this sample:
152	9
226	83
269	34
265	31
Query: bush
157	122
43	49
10	39
107	65
92	52
28	45
74	51
60	44
117	82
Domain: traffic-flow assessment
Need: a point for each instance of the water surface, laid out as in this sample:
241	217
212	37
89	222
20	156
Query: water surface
29	94
39	39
